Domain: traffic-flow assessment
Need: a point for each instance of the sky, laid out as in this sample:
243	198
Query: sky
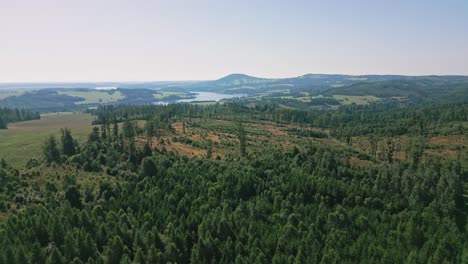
151	40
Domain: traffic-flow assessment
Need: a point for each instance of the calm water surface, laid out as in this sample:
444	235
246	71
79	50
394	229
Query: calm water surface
208	96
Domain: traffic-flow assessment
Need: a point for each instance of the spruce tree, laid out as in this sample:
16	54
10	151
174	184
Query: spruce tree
55	257
242	139
128	129
2	124
50	150
68	144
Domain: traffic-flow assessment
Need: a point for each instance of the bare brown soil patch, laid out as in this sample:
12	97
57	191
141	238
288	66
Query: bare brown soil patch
445	140
355	162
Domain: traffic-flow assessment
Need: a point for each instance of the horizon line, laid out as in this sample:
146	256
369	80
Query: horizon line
202	80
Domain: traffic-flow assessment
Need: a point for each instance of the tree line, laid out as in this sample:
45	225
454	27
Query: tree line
9	115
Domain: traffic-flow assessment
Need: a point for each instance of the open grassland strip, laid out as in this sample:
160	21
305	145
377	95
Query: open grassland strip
94	97
23	140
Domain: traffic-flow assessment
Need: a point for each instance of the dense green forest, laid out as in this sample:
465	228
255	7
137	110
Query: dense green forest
8	115
120	198
67	99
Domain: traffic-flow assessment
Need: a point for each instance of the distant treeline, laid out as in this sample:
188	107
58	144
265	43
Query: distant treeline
375	119
8	115
354	120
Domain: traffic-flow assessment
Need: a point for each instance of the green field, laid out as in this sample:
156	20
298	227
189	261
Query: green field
164	94
94	97
23	141
359	100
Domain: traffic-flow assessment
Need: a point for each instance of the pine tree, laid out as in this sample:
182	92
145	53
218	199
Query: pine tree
94	136
115	130
150	133
103	132
146	151
70	247
115	251
139	258
68	144
3	124
73	195
55	257
37	254
50	150
148	168
373	146
21	256
128	129
209	149
390	150
242	139
76	260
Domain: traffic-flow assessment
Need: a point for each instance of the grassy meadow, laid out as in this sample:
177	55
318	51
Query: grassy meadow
164	94
95	97
356	99
23	140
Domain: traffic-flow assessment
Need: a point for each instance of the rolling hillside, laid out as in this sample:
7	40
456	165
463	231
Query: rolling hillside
323	91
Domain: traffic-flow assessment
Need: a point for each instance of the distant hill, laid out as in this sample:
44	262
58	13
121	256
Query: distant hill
430	88
312	83
324	91
237	79
233	83
413	88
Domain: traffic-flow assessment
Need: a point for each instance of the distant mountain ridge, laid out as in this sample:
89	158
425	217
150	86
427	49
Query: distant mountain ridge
307	90
238	78
238	82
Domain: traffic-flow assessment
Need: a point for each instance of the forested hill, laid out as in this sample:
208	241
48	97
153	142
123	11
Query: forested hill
423	89
310	91
8	115
236	83
337	84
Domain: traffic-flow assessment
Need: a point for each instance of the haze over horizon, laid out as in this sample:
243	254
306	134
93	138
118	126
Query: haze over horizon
143	40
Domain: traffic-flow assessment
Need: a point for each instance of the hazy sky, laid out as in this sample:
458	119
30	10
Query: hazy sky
143	40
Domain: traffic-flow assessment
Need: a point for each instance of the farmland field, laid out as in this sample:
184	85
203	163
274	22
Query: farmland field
360	100
22	141
95	97
165	94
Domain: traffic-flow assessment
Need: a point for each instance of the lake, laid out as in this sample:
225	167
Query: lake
203	97
208	96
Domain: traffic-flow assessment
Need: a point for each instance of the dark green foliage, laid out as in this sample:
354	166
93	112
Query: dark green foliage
306	133
378	120
8	115
276	208
128	129
242	139
305	205
148	167
416	90
51	150
68	144
55	257
94	136
73	196
44	99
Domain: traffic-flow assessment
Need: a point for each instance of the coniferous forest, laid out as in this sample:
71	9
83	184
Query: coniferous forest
8	115
232	132
127	196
